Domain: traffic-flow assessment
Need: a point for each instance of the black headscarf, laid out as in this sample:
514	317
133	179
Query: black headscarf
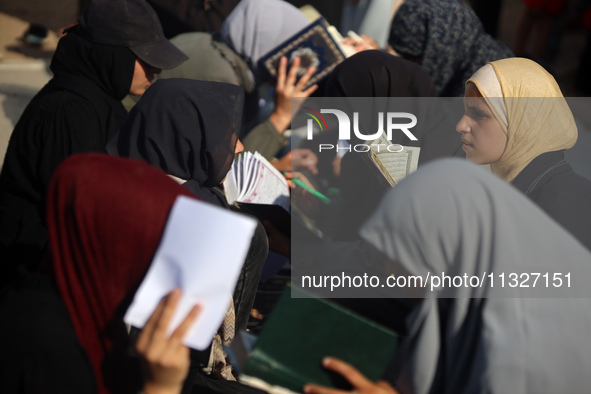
76	112
100	73
187	128
379	74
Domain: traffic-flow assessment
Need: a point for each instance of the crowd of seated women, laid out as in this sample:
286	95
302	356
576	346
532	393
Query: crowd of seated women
86	190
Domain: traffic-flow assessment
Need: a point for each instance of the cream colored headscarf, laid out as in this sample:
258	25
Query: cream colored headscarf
532	112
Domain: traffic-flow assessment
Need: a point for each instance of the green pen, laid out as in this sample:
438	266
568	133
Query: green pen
321	196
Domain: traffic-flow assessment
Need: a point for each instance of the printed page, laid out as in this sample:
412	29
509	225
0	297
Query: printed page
250	176
230	187
238	172
394	165
270	186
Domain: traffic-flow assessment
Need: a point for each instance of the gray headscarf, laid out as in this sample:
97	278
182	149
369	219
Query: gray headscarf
255	27
485	339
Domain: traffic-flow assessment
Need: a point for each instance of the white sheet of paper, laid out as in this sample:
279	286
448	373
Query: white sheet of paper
202	251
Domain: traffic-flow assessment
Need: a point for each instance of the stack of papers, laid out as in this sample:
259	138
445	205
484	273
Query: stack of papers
252	179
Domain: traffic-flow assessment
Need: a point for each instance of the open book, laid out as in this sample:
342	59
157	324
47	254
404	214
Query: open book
252	179
256	187
300	332
394	164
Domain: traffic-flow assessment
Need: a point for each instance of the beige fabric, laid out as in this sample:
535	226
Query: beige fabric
489	86
539	119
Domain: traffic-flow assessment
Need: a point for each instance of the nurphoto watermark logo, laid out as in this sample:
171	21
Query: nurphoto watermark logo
388	124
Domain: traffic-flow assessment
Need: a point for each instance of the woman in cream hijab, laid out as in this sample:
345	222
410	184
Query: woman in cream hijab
517	120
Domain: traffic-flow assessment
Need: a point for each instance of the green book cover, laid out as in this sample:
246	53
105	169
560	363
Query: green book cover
300	332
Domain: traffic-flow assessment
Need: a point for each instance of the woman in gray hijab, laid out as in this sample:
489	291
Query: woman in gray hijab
504	334
253	29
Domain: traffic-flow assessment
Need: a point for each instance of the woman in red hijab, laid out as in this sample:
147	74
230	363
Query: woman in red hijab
64	329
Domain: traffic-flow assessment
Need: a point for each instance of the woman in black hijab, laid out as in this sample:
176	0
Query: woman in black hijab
187	128
115	50
378	74
190	129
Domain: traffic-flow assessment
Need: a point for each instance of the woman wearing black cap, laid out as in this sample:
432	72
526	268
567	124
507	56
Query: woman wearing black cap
115	50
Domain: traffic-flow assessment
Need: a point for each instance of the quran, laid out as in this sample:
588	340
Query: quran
393	162
255	186
314	45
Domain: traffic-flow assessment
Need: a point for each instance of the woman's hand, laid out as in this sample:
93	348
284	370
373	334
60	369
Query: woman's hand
297	159
282	164
304	159
363	43
359	382
289	176
309	204
287	88
336	166
165	359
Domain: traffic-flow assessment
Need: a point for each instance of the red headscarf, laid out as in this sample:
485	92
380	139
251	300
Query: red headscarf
105	219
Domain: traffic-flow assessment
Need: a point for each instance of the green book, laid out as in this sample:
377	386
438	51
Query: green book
300	332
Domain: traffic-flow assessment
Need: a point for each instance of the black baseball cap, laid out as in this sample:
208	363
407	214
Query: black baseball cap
133	24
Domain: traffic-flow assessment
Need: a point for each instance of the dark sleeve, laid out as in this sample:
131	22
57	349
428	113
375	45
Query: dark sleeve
73	127
566	197
51	129
40	351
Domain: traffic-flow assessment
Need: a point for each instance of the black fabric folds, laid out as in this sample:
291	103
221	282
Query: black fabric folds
75	112
107	67
377	74
373	74
187	128
40	350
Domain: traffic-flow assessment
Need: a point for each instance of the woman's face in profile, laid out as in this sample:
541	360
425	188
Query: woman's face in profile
483	137
143	75
239	147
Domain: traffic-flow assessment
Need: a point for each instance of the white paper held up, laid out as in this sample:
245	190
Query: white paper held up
201	252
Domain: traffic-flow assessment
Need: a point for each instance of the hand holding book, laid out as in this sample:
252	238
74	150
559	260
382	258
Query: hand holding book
301	331
287	87
360	43
255	186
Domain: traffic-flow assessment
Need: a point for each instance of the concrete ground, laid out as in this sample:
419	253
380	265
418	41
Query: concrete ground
24	69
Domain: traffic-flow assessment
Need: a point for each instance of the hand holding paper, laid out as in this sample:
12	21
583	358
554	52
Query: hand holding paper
201	253
166	361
